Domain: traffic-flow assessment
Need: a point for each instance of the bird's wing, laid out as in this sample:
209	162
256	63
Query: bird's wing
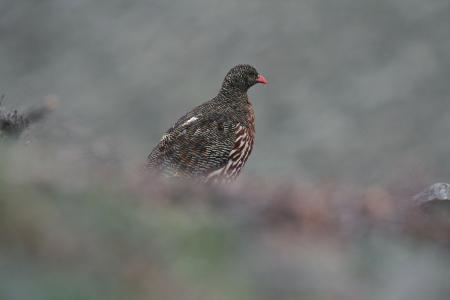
195	146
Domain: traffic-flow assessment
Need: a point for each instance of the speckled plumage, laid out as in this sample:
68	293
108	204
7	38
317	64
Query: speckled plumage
214	140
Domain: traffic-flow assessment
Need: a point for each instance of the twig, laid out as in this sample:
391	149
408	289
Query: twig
12	124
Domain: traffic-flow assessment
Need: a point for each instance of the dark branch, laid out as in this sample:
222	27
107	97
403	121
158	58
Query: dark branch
12	124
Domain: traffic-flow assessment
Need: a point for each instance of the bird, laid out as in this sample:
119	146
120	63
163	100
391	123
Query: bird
213	141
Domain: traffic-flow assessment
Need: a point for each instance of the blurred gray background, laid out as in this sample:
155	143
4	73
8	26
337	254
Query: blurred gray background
358	90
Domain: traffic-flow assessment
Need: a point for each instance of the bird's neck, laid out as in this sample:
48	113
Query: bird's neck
240	104
233	95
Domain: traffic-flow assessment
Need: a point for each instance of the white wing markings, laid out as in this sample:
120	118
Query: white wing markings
189	121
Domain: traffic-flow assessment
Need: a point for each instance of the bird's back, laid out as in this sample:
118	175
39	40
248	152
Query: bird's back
199	142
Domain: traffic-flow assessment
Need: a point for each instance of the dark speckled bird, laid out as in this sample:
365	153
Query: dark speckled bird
214	140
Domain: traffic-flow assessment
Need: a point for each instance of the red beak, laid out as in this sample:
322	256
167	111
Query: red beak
261	79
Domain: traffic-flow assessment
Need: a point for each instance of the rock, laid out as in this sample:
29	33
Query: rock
437	191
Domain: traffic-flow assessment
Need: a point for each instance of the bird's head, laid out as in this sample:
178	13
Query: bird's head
242	77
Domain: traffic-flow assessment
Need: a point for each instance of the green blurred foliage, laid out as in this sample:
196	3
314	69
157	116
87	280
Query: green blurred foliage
113	240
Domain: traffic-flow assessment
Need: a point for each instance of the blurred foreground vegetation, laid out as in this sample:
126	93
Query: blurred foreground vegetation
103	232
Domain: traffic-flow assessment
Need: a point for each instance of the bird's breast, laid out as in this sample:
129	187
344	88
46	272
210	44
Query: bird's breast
251	119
